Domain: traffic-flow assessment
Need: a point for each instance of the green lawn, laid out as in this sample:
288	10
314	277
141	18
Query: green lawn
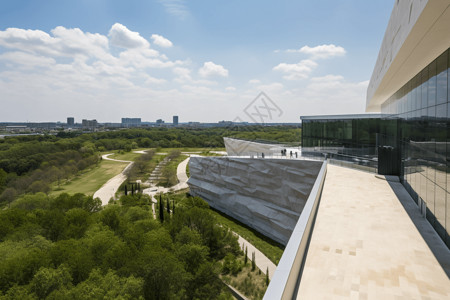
130	156
90	181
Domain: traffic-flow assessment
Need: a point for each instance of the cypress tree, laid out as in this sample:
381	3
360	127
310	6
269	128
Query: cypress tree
132	189
126	191
173	207
245	256
168	207
253	261
267	276
161	210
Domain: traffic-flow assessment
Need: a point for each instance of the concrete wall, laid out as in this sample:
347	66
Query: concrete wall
266	194
418	31
236	147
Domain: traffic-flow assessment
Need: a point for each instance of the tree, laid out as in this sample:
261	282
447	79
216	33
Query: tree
39	186
110	217
267	276
140	165
46	280
77	220
245	256
8	195
164	275
161	210
253	262
3	176
126	192
167	207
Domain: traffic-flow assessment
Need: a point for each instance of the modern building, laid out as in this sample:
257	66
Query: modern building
89	124
410	87
175	121
159	122
131	122
359	234
410	84
70	121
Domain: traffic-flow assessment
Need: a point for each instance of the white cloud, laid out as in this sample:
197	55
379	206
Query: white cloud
74	41
121	36
27	40
176	8
254	81
154	81
333	94
211	69
64	42
320	52
146	58
297	71
271	87
161	41
183	74
27	60
333	84
230	88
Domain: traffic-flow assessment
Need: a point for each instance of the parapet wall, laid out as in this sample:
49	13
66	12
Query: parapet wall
236	147
266	194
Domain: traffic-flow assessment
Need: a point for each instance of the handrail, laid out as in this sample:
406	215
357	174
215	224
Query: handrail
287	276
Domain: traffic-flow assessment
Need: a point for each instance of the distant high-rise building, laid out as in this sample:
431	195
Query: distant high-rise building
70	121
175	120
89	124
159	121
131	122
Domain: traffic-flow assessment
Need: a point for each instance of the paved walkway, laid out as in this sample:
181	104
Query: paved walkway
109	189
365	246
262	262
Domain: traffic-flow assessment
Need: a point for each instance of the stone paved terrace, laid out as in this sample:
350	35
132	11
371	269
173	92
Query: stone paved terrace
366	246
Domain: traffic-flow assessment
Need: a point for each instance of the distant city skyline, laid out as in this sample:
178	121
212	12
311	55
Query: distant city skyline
155	59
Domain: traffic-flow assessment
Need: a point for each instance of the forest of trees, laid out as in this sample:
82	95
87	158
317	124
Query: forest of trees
30	164
68	247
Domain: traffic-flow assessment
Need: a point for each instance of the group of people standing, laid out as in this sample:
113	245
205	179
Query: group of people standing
284	153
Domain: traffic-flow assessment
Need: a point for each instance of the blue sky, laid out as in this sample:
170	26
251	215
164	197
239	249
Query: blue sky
202	60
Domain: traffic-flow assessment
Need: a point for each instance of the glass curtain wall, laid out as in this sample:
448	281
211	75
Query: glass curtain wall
351	139
419	122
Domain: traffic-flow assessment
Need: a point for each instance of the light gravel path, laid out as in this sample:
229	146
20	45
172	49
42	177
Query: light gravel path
109	189
262	262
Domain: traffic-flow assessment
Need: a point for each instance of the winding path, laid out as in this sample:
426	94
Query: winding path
109	189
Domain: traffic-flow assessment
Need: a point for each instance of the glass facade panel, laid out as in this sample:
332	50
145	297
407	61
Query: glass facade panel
425	87
424	136
432	84
347	139
441	78
447	221
439	210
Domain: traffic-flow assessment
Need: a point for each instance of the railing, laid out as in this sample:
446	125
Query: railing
286	278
